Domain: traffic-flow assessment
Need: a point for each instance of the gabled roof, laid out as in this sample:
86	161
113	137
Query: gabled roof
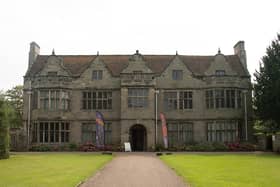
76	64
197	64
115	63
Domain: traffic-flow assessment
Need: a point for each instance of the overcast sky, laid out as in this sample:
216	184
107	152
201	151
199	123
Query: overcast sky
197	27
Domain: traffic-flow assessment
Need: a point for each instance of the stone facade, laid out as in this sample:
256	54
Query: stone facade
59	88
276	143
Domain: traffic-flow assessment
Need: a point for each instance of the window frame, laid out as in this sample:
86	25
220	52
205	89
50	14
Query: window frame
178	100
220	72
97	100
91	130
137	98
223	98
43	133
177	74
226	131
53	100
97	75
180	133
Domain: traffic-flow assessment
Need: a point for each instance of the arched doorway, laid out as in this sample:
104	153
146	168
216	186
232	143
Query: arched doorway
138	137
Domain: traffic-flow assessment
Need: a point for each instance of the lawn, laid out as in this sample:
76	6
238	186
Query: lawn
227	170
49	169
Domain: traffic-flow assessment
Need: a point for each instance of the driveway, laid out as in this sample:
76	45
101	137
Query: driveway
135	170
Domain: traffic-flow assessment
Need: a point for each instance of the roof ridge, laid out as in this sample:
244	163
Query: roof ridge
117	62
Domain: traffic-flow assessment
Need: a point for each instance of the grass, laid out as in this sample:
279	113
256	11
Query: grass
227	170
49	169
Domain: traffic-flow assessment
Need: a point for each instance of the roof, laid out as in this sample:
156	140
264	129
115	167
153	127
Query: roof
76	64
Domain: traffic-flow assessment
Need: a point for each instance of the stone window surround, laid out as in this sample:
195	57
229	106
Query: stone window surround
211	101
135	99
220	72
178	130
97	74
180	101
91	126
108	99
63	130
222	131
61	103
177	74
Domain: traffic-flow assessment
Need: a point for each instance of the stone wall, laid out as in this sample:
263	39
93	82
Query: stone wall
276	142
122	117
17	140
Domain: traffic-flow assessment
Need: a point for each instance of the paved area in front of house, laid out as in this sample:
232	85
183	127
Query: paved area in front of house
135	170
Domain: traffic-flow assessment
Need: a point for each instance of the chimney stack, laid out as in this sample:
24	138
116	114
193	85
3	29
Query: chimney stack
33	53
239	50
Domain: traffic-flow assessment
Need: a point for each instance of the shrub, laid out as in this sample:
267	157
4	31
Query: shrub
243	146
246	146
73	147
220	146
40	148
4	143
159	147
201	146
90	147
158	154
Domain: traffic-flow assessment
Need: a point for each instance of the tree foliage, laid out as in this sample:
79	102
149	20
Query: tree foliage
4	129
14	97
11	108
267	88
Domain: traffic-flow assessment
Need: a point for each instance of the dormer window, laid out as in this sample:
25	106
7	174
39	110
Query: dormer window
97	74
52	73
177	74
220	73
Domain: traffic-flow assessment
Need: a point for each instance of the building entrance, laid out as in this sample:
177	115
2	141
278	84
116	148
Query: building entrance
138	138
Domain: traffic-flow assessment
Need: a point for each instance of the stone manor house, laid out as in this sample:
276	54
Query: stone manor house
204	98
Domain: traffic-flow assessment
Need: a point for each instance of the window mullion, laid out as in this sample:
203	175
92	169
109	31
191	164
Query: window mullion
235	99
38	100
178	100
214	97
49	99
37	132
59	131
49	132
60	100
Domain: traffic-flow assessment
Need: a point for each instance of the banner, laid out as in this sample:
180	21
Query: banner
99	129
164	130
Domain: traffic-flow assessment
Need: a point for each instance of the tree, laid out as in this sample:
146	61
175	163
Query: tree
15	98
4	129
267	88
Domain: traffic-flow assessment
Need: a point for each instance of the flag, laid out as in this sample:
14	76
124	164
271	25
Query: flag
164	130
99	129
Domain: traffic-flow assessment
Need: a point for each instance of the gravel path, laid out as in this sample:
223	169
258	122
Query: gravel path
135	170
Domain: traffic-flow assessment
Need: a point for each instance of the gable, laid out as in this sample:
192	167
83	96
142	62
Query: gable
96	64
53	67
166	80
85	80
136	63
176	64
220	63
